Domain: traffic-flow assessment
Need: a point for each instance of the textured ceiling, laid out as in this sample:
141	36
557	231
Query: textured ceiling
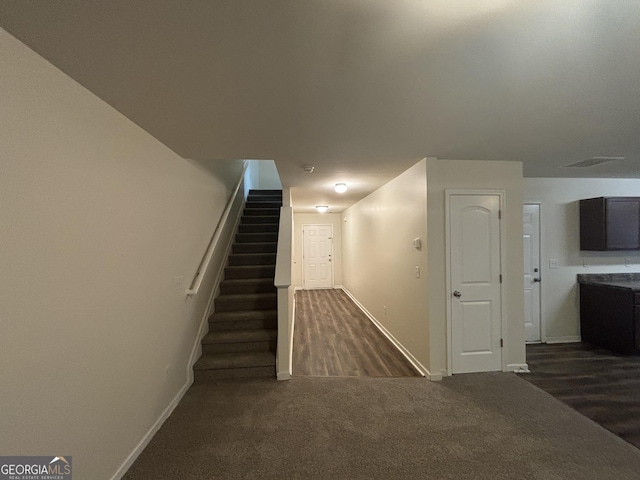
359	89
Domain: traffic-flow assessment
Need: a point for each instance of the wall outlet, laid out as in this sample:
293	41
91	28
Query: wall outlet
384	309
417	271
553	263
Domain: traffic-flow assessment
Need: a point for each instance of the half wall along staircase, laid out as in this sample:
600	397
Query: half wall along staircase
243	328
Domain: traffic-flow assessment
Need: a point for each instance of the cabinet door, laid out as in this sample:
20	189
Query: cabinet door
637	328
593	235
623	223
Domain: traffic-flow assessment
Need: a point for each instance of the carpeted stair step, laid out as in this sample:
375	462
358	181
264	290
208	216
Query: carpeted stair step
265	191
250	301
240	341
247	285
260	237
263	204
234	365
253	212
246	220
243	320
259	247
243	329
265	197
236	259
249	271
271	228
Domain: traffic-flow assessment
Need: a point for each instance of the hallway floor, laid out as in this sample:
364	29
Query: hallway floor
334	338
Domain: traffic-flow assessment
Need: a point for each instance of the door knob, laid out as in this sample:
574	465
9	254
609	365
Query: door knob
457	294
537	279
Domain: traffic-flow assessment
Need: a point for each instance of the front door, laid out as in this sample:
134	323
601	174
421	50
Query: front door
475	277
317	247
532	278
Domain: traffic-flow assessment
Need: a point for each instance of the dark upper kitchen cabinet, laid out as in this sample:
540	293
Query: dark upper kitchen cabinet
610	223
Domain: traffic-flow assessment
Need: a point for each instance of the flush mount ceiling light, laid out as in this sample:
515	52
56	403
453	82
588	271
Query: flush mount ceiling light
322	208
341	187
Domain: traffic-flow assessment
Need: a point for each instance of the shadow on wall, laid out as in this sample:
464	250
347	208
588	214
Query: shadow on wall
261	174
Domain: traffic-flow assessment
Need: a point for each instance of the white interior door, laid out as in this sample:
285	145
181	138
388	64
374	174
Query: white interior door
531	242
317	248
474	262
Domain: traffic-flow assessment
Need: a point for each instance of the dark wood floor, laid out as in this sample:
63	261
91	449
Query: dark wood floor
601	385
333	338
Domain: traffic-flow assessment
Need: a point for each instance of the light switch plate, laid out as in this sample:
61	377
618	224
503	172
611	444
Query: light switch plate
553	263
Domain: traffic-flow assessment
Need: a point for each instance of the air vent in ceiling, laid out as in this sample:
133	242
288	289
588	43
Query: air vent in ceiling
592	162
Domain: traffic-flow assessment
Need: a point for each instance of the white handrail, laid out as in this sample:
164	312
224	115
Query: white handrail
204	264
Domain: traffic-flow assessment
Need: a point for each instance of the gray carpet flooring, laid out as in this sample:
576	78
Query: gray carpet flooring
480	426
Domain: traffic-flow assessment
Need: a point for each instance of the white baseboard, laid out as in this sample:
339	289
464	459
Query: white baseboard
567	339
518	368
152	431
196	351
416	364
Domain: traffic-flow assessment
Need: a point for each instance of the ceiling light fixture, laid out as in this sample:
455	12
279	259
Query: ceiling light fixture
322	208
341	187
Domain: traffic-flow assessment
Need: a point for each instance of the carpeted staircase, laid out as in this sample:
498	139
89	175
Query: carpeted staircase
243	328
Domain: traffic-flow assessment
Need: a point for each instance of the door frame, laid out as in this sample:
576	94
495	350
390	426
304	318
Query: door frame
543	324
303	257
447	214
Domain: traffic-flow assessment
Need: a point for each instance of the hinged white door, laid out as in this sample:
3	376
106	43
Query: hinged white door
532	277
474	260
317	249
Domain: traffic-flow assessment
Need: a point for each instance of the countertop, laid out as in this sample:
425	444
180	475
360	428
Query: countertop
630	281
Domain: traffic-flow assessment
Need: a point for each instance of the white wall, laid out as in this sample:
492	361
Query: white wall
489	175
262	174
560	239
334	219
379	259
98	220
